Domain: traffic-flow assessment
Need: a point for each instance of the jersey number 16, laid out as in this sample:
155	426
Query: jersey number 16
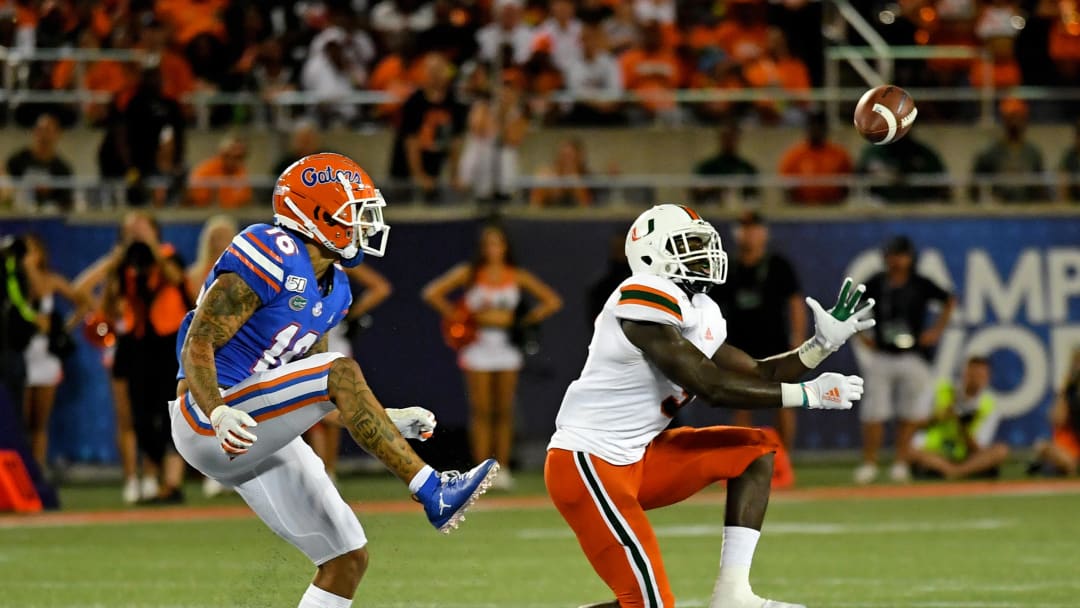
286	347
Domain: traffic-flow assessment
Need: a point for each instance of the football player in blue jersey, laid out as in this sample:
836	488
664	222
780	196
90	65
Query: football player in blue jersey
255	374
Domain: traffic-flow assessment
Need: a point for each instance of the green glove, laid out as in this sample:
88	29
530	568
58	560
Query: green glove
848	302
833	327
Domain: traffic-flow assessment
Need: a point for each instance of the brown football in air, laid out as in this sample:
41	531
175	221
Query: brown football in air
885	114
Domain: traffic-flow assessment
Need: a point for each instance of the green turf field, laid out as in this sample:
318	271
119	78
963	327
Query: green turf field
950	552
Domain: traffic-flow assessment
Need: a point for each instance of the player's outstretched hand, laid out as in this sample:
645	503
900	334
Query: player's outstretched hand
834	327
230	425
413	422
831	391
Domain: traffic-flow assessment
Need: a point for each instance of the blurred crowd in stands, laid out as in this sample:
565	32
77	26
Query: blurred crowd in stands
443	154
462	82
597	50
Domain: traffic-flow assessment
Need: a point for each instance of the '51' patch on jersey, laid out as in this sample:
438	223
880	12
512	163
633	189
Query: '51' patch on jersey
295	283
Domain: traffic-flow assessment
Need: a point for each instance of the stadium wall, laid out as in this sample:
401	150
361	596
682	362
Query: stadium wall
633	151
1018	279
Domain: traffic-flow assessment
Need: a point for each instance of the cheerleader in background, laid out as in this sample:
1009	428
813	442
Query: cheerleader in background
214	239
492	284
44	369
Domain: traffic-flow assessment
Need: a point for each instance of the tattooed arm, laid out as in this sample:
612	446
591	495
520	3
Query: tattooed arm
368	422
224	309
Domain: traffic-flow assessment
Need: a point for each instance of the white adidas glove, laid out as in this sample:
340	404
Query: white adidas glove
413	422
829	391
230	425
834	327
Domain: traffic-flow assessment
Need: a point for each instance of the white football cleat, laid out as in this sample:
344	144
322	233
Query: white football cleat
900	472
212	488
504	482
865	473
149	487
130	492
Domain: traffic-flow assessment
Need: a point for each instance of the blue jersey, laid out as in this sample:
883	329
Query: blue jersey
294	313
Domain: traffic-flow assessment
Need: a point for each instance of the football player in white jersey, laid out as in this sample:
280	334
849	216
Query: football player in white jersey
658	343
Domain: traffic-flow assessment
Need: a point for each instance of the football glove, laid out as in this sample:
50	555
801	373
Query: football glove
230	426
413	422
829	391
834	327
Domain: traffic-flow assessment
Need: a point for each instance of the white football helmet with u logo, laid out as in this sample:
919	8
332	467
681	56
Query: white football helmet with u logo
672	241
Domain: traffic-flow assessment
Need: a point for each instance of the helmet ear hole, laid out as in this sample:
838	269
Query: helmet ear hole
647	260
325	216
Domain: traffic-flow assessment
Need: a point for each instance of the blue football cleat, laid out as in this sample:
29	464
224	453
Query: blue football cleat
446	496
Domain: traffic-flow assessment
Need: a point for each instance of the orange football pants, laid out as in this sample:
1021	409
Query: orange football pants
605	504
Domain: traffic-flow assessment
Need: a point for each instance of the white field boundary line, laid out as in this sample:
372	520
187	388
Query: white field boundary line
525	503
688	603
794	528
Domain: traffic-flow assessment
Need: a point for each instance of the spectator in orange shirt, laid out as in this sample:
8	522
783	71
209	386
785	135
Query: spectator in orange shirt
398	74
744	33
778	69
104	76
199	30
177	79
205	187
1002	68
654	73
815	158
996	29
1064	45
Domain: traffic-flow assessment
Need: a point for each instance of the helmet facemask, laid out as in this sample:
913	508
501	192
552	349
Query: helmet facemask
695	259
362	219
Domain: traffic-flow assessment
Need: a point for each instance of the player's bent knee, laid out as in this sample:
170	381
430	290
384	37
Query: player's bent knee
348	567
344	368
762	466
345	365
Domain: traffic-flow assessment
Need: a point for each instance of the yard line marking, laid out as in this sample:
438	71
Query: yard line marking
796	528
975	489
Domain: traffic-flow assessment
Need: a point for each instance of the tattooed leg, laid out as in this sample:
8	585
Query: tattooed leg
367	421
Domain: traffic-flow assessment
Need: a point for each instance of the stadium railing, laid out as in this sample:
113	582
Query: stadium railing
277	109
17	196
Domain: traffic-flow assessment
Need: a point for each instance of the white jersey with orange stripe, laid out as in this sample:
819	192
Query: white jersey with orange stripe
621	402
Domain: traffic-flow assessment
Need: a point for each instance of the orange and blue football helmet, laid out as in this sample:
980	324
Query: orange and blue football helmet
330	199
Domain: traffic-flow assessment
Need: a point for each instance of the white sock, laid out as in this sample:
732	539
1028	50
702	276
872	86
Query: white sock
321	598
420	478
737	554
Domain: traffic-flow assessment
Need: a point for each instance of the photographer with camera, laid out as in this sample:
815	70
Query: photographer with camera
148	283
900	346
19	322
958	441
